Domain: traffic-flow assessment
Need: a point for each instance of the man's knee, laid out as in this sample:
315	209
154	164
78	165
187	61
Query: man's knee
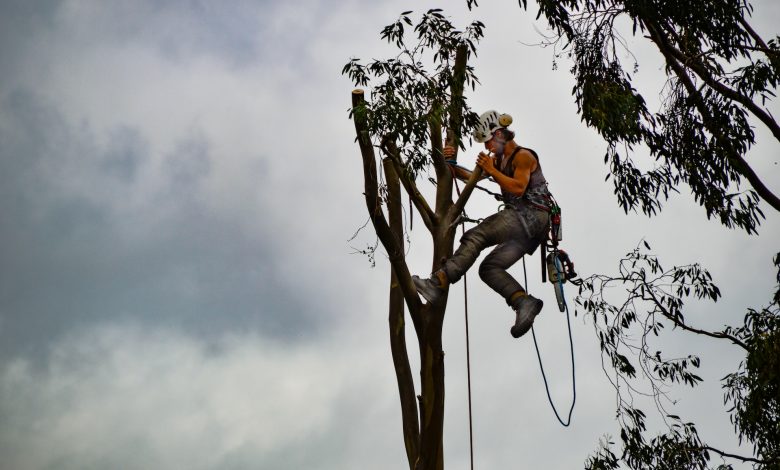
473	237
486	269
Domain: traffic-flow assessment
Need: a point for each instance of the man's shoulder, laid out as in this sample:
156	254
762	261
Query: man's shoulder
528	151
525	156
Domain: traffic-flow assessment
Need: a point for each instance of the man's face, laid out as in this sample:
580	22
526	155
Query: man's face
495	144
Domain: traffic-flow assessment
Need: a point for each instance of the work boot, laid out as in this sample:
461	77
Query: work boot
431	288
526	308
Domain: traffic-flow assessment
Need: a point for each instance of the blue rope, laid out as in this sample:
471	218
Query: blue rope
539	356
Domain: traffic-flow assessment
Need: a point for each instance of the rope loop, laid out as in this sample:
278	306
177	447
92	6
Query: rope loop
541	365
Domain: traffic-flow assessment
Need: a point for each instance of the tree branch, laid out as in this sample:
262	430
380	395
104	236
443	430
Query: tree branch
393	245
723	89
677	322
756	37
443	174
457	208
738	457
426	213
456	91
739	163
403	371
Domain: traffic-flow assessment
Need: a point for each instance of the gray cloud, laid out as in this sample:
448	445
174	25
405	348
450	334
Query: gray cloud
74	252
105	401
169	214
126	153
180	30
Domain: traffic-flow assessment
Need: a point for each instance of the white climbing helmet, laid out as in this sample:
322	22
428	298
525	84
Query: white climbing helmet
489	121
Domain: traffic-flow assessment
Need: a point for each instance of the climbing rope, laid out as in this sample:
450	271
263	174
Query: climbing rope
463	219
539	356
468	361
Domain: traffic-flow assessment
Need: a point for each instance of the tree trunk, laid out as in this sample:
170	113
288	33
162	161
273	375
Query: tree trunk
422	421
432	390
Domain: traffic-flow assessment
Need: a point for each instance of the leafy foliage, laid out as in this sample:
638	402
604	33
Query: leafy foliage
754	390
720	74
415	85
720	77
626	327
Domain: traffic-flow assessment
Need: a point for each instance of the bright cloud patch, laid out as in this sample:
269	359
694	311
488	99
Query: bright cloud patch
127	398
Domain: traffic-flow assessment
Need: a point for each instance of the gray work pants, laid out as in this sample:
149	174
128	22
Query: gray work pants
516	231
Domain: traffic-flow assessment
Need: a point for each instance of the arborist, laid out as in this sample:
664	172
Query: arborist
518	228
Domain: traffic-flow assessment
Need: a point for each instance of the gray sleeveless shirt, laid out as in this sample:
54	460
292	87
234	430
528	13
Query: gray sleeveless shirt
536	193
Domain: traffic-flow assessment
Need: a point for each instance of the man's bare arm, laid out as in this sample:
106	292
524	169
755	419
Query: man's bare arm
517	184
462	173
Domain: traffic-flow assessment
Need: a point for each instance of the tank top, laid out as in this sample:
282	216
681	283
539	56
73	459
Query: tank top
536	193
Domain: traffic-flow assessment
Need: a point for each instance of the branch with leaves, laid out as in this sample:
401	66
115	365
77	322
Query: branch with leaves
628	310
722	74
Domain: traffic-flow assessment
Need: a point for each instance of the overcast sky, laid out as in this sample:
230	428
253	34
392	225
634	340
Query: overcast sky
178	185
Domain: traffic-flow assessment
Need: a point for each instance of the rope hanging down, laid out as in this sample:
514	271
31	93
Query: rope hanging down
539	357
463	219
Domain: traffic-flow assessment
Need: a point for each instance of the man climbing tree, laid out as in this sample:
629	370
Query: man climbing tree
405	119
721	77
518	229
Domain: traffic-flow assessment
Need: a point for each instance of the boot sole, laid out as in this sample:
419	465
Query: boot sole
516	331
